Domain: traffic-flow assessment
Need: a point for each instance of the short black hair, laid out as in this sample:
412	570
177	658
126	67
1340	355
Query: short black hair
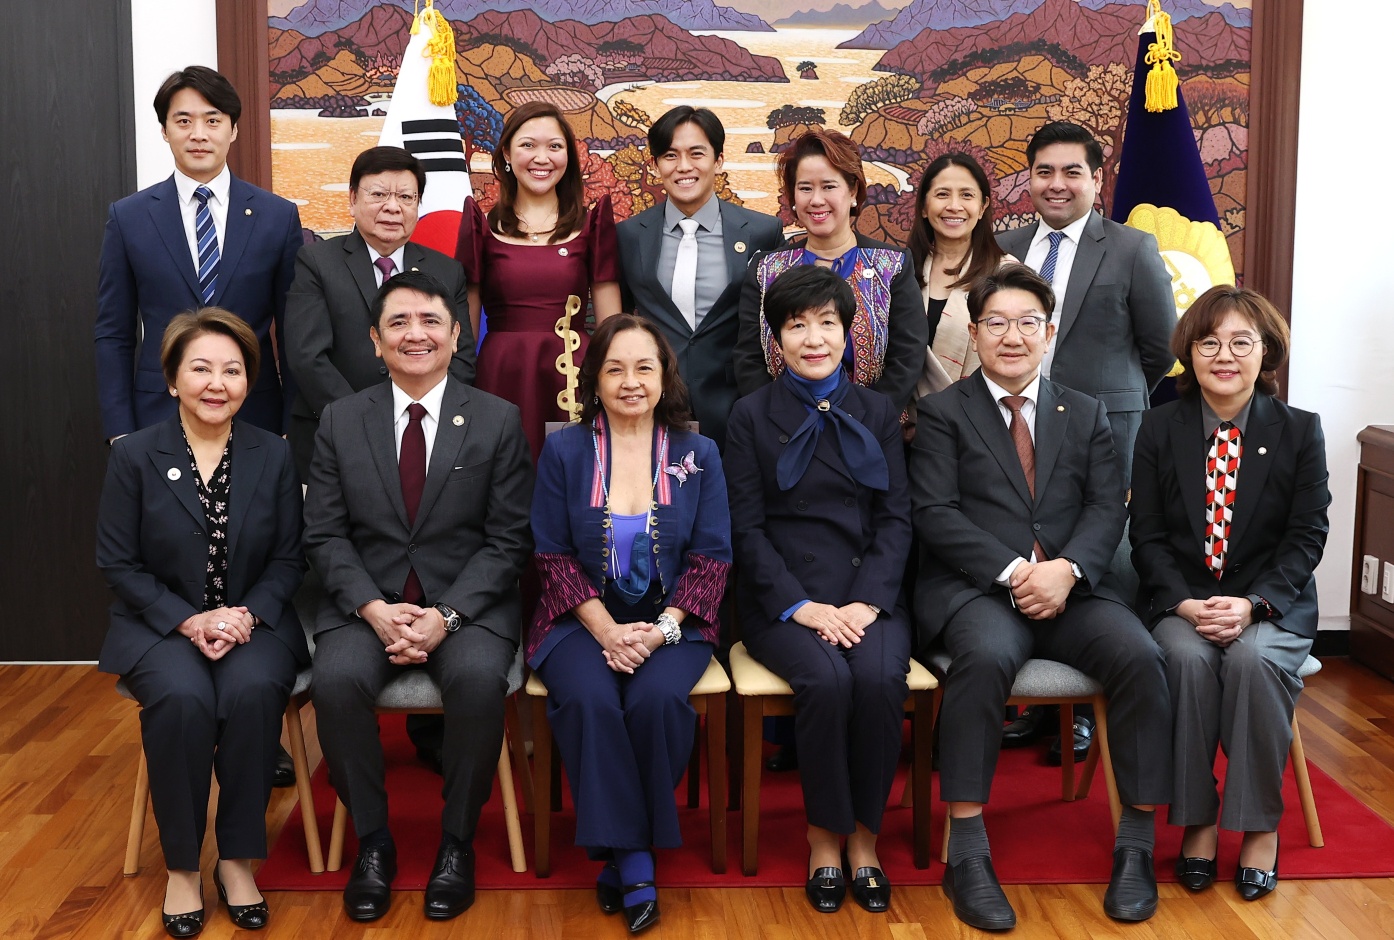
662	131
214	88
1065	132
807	287
419	281
386	160
1010	277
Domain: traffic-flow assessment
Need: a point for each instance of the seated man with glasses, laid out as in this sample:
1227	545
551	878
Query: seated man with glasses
1017	500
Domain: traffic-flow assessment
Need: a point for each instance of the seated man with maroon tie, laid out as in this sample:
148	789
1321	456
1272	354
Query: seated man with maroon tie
1018	503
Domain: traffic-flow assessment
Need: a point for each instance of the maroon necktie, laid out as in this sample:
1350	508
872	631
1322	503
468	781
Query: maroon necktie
1025	452
411	466
386	266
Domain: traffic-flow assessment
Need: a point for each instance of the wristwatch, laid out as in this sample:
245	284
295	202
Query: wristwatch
1075	569
452	619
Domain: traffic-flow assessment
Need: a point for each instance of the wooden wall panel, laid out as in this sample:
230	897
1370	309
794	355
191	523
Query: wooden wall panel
69	151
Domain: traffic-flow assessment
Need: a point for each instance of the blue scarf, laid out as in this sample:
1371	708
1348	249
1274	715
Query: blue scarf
861	452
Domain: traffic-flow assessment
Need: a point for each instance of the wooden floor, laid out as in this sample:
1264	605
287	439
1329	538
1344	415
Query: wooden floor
67	766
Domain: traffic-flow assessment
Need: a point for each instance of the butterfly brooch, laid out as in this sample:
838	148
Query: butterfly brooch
687	467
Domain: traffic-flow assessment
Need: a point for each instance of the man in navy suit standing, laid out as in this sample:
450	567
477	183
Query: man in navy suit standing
202	237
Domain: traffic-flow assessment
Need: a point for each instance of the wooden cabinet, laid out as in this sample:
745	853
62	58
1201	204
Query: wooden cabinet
1372	619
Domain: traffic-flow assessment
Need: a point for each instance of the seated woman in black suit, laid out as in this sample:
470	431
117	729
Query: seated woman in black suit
198	535
1228	524
820	513
633	544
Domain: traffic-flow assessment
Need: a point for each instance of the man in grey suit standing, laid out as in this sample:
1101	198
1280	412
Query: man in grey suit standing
417	520
326	323
1114	307
683	261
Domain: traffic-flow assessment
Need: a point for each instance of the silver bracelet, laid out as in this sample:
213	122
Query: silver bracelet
672	633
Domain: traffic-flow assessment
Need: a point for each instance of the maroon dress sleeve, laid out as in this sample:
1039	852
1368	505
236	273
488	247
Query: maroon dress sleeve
602	247
469	246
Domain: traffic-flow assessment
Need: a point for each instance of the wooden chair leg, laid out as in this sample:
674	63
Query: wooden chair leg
716	778
520	750
1298	758
694	768
336	837
1091	762
136	834
1067	751
907	794
1115	806
296	733
542	788
921	764
944	851
735	743
510	811
753	711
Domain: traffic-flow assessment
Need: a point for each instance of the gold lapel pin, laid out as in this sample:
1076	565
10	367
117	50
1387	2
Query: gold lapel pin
457	420
246	211
173	473
740	248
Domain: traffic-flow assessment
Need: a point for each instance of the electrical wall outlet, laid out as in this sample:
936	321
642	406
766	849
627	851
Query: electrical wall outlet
1369	574
1387	592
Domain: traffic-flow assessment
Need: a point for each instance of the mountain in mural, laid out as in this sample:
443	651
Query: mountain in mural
1186	9
317	16
840	16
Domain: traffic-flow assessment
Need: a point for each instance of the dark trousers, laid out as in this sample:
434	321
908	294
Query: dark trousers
471	668
624	739
199	717
849	706
989	642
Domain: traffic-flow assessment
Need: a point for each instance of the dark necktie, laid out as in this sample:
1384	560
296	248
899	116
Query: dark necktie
1222	473
207	236
411	466
1052	257
387	267
1025	452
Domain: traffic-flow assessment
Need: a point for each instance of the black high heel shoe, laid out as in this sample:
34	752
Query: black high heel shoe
1195	873
643	915
185	925
609	897
1254	883
243	916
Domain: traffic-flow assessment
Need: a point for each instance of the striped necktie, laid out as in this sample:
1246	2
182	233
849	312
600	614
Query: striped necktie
208	256
1052	258
1222	473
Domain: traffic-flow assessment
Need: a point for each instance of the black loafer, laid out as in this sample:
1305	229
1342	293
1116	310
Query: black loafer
368	894
450	890
826	889
643	915
609	897
977	895
284	775
1132	888
871	889
1254	883
185	925
243	916
1196	874
1026	727
1084	736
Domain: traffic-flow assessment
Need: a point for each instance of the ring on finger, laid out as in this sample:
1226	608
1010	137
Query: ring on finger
221	626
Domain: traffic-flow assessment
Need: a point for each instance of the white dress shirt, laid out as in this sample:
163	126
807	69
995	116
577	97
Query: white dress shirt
1064	262
431	401
396	257
1028	414
217	207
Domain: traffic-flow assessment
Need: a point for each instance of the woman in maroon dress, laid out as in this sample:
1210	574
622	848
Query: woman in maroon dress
536	246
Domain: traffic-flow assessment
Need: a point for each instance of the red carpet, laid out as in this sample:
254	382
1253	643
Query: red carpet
1036	837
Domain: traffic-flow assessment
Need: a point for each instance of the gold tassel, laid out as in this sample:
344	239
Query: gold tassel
441	79
415	18
1161	80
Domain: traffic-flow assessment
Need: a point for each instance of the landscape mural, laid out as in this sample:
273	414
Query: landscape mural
906	79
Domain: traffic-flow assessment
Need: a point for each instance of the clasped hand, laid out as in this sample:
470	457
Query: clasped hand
202	628
1041	588
1219	619
627	645
408	632
840	626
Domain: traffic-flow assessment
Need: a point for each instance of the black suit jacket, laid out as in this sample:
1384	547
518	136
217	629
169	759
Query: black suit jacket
327	319
828	539
704	355
152	539
471	536
1280	524
974	513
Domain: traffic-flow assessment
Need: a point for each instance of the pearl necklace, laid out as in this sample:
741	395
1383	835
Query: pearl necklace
612	562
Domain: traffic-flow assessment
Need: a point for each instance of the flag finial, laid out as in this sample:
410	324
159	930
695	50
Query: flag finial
1161	80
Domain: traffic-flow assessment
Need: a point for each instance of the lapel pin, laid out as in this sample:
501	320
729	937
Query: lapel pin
246	211
740	248
563	252
1262	451
457	420
1059	407
415	268
173	473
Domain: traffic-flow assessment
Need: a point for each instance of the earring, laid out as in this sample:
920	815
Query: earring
507	167
595	400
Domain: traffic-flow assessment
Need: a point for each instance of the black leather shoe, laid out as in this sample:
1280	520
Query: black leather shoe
826	889
871	889
609	897
1084	736
284	775
185	925
1132	888
785	758
243	916
1254	883
643	915
1196	874
977	895
1026	727
368	894
450	891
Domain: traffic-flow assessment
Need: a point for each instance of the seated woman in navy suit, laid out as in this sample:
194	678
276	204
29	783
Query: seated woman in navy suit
1228	524
821	514
633	542
198	535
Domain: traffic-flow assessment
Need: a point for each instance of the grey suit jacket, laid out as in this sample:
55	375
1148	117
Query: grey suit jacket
471	537
326	327
704	356
974	513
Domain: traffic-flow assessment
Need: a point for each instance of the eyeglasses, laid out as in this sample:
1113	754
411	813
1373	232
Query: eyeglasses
1239	346
998	326
377	197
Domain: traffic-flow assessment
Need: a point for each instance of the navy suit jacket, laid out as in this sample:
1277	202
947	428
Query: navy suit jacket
704	355
828	539
974	513
1280	502
152	539
147	277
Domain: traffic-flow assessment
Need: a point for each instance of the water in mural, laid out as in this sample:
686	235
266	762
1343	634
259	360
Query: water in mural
906	79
